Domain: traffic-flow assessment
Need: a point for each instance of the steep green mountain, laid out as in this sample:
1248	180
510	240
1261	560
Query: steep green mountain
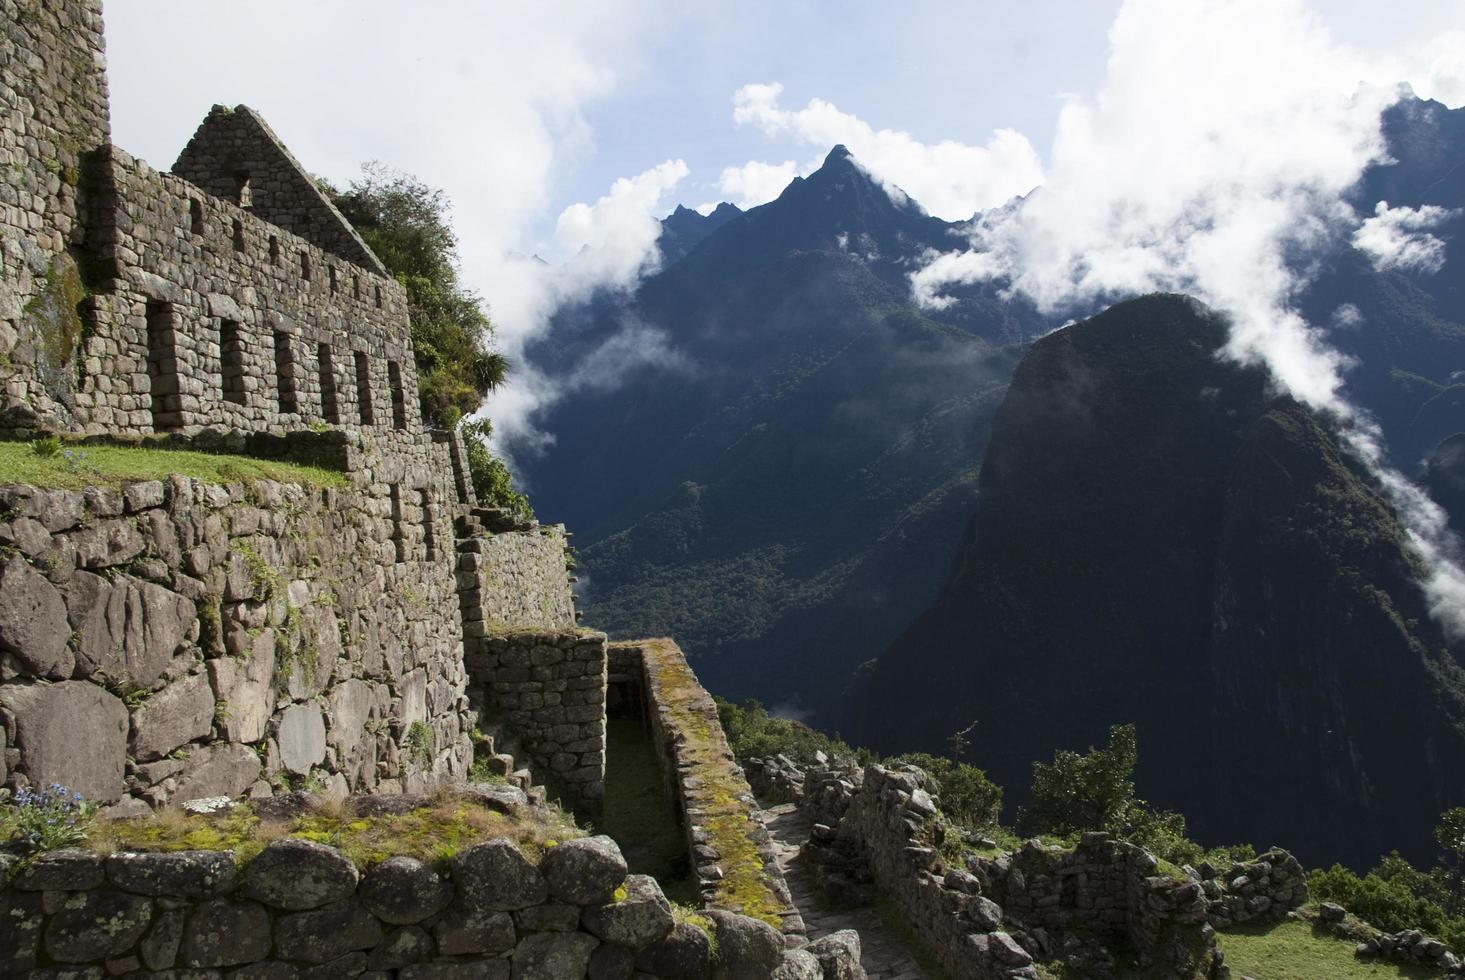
780	484
1158	541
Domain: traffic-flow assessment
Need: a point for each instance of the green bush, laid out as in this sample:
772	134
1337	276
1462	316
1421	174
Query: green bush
1075	793
755	734
968	797
493	484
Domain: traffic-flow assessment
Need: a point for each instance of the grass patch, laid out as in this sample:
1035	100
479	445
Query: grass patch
432	833
744	886
640	815
84	466
1294	950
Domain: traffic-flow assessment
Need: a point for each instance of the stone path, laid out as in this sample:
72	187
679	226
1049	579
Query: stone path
883	954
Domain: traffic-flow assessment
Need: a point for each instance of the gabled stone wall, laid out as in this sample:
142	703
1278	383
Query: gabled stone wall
178	640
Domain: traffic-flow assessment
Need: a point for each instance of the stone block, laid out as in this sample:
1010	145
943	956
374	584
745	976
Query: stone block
33	624
73	733
175	716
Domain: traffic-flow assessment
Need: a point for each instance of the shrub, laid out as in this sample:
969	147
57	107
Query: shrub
51	818
1075	793
755	734
968	797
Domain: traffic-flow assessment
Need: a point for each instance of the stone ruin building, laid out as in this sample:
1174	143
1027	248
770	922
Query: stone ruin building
179	640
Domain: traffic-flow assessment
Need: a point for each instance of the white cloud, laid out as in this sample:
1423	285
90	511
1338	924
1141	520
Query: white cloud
614	245
1437	71
949	179
1216	152
1399	238
756	182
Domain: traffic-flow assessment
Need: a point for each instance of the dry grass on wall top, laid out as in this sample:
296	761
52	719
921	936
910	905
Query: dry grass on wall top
744	886
431	833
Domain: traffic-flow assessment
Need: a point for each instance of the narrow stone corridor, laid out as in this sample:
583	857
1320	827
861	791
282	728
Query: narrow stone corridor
883	953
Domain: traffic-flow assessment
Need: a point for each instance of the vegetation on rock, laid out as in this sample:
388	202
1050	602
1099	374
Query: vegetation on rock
76	466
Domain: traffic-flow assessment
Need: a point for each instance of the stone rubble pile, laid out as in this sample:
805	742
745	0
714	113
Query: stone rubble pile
1264	889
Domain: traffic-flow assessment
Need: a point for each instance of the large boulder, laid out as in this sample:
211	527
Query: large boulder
636	921
175	874
125	627
584	872
33	626
460	931
496	875
747	948
685	953
299	874
175	716
225	933
321	935
72	733
403	891
97	925
220	769
245	683
302	738
839	955
553	955
798	964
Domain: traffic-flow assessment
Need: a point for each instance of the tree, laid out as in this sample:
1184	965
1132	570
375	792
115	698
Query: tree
406	224
1094	791
493	484
1449	833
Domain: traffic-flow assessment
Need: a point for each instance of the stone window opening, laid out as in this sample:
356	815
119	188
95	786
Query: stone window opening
378	297
399	399
399	534
330	407
356	287
285	373
244	196
274	250
335	284
238	235
429	516
305	266
231	361
167	402
195	216
363	388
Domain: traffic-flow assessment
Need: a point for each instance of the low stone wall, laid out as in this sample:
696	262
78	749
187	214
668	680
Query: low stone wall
736	867
302	910
548	686
1265	889
517	580
176	640
1103	887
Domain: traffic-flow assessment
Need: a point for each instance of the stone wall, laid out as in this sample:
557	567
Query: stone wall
730	848
548	686
203	314
235	156
53	117
517	579
1265	889
301	909
175	640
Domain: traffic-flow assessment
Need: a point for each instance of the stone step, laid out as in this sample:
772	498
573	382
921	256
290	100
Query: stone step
522	778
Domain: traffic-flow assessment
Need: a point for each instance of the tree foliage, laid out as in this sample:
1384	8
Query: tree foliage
1093	791
968	797
406	224
493	484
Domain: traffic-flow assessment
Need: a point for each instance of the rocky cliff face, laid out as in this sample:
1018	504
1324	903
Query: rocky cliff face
1159	541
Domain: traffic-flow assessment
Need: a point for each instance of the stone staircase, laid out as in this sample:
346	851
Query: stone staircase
503	750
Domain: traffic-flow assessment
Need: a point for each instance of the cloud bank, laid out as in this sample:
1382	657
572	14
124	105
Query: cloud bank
614	246
951	180
1213	157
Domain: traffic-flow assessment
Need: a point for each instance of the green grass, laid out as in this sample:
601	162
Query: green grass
84	466
1300	951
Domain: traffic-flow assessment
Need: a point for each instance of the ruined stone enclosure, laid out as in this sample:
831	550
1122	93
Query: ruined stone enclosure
174	639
